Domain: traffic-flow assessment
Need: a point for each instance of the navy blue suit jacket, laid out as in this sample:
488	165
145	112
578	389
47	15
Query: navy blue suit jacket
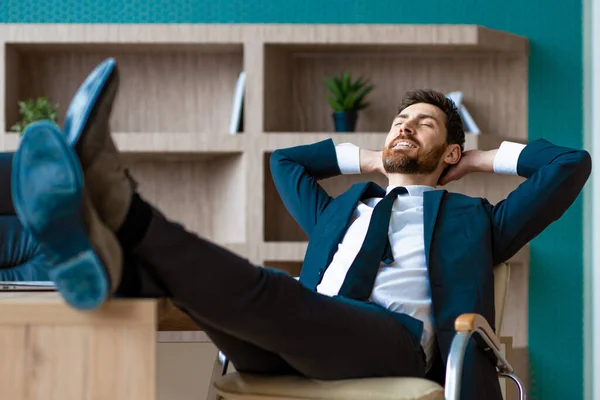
465	237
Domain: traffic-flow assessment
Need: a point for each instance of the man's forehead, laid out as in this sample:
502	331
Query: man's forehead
421	110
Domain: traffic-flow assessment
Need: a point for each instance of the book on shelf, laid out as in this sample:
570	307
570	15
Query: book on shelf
469	122
236	123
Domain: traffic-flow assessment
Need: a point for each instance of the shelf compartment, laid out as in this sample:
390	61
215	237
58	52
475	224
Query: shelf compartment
204	194
494	85
279	225
163	88
291	267
283	251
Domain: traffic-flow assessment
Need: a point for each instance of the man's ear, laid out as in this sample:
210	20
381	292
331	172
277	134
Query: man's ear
453	154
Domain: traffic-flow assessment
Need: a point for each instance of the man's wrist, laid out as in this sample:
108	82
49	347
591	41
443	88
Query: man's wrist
369	161
484	162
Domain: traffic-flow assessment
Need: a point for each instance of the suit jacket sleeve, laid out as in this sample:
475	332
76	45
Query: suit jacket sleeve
555	177
296	172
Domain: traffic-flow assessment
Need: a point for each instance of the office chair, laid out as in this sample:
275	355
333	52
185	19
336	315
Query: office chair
240	386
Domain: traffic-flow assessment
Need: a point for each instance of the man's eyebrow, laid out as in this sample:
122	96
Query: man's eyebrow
419	116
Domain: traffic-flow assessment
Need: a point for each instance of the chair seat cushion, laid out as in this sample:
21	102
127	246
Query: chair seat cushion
239	386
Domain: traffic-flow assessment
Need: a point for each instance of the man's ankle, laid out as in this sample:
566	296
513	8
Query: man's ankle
136	223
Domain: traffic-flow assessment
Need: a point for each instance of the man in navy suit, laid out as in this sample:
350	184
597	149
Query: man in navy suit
386	272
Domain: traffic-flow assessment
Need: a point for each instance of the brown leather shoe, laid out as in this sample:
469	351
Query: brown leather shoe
83	256
87	128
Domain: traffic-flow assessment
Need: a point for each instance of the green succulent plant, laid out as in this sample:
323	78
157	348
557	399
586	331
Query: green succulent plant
346	94
32	110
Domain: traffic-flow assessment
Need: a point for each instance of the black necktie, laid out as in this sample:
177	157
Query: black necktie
360	278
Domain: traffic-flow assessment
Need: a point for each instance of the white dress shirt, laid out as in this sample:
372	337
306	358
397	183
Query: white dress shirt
402	286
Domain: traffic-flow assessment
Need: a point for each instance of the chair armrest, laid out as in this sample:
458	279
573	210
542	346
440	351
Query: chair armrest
466	325
476	322
219	369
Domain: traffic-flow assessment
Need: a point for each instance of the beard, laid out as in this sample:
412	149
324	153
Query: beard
400	162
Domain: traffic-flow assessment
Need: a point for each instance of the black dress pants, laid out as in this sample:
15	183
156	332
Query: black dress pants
264	320
6	206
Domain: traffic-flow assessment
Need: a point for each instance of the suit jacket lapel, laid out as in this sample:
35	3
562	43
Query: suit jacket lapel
371	189
431	205
338	223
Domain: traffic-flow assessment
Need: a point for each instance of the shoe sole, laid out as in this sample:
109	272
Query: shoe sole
86	100
47	188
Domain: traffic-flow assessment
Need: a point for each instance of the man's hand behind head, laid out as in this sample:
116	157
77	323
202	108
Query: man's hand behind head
471	161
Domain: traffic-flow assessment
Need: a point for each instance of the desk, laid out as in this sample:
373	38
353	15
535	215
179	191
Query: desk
49	351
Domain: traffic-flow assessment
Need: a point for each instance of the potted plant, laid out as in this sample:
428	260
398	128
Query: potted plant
346	98
32	110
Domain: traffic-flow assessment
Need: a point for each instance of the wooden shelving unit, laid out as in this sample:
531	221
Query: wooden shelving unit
177	81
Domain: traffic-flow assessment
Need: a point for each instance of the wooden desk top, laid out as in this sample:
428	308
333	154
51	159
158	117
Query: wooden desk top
48	308
41	308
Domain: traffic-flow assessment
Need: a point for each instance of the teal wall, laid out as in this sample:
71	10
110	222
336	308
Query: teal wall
555	112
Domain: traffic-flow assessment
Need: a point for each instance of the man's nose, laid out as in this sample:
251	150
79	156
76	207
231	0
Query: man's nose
406	128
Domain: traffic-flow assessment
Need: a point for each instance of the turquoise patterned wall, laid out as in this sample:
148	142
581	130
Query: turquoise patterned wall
555	112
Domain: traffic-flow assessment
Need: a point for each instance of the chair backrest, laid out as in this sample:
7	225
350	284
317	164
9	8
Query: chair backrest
501	281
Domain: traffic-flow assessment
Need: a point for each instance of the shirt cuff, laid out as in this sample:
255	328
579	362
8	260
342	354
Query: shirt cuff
507	158
348	158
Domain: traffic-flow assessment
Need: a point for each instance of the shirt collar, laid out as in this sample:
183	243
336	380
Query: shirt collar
413	190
